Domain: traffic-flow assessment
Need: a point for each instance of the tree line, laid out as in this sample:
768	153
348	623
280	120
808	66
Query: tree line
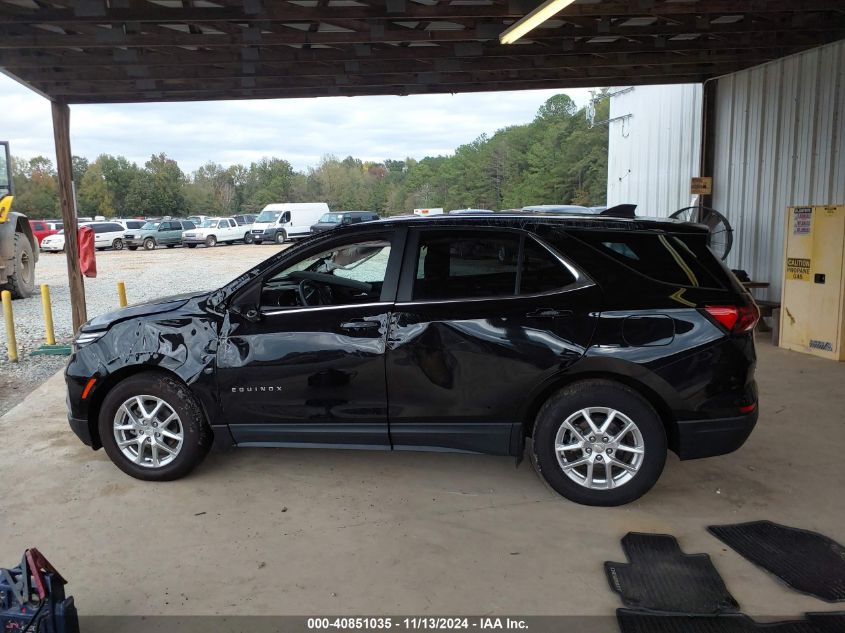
558	158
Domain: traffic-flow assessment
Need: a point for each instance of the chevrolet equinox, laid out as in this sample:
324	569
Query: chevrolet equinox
604	341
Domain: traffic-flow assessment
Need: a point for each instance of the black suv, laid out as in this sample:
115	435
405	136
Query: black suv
335	219
605	341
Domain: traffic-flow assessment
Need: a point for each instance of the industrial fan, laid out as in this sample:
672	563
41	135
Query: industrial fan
721	234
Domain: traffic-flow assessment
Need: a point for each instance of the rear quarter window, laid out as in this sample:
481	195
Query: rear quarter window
676	259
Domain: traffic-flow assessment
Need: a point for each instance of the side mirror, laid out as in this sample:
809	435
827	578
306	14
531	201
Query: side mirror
245	305
247	312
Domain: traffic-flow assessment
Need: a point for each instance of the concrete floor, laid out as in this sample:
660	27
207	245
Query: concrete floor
346	532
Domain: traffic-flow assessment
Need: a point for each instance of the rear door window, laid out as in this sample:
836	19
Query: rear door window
677	259
541	270
454	266
485	264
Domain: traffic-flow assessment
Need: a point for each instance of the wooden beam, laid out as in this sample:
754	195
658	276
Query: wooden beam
68	89
176	56
293	71
283	11
64	167
15	38
341	91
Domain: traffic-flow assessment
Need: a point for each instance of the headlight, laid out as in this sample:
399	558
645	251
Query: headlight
86	338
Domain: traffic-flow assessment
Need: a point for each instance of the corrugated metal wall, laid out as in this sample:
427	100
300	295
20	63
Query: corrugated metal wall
653	154
780	142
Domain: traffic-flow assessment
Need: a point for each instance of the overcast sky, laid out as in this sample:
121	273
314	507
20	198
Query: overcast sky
299	130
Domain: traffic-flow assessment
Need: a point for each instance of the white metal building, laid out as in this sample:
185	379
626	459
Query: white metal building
780	141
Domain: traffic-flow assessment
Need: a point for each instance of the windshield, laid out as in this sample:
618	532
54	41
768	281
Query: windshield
149	226
208	224
331	218
268	216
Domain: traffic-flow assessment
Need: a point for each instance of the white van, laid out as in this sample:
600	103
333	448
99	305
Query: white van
288	220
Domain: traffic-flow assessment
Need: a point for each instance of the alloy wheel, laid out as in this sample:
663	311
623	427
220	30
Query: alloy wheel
148	431
599	448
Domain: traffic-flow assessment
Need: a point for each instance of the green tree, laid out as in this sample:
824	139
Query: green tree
158	189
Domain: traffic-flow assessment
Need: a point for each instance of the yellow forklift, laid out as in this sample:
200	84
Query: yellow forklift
18	248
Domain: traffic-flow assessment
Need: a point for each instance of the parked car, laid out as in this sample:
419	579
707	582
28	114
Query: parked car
43	228
198	219
164	232
605	342
333	220
245	221
106	235
214	231
280	222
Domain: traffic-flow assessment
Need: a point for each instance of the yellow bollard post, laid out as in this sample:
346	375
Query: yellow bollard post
12	343
48	314
121	294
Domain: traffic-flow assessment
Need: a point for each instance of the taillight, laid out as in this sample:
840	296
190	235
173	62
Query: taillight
735	319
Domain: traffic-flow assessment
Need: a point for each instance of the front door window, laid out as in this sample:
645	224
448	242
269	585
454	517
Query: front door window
343	275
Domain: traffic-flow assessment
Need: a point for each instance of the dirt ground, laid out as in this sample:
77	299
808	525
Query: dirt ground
284	531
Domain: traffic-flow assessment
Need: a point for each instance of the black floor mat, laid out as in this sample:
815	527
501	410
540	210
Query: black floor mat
631	621
809	562
660	577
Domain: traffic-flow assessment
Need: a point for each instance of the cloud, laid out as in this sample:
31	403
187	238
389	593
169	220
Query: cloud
299	130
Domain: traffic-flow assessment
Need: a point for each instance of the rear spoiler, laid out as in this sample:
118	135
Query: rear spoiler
621	211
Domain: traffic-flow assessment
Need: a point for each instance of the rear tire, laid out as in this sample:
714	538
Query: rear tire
117	245
120	408
635	457
248	238
149	244
210	241
22	283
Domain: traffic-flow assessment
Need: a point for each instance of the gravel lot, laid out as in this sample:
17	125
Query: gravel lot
147	275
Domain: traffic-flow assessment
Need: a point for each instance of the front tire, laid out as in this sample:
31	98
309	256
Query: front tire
281	237
599	443
22	283
152	427
149	244
190	245
132	248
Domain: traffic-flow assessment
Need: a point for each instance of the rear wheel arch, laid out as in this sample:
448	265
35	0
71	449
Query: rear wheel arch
529	416
112	380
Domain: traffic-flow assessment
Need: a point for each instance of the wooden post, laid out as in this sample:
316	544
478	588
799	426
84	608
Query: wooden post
61	135
708	136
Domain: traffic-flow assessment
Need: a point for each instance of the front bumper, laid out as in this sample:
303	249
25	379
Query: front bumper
193	240
265	235
717	436
52	248
133	241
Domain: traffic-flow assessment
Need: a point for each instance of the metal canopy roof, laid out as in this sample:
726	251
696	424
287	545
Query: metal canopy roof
97	51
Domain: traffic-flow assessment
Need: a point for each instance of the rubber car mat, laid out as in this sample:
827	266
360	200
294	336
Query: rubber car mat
632	621
809	562
660	577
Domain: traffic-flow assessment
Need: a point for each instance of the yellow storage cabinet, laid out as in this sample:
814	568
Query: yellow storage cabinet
812	315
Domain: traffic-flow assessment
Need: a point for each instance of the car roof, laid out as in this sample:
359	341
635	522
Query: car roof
530	219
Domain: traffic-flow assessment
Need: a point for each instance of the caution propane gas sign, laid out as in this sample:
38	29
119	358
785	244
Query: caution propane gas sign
798	268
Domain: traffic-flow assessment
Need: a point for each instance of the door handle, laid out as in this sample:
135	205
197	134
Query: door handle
548	313
360	324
